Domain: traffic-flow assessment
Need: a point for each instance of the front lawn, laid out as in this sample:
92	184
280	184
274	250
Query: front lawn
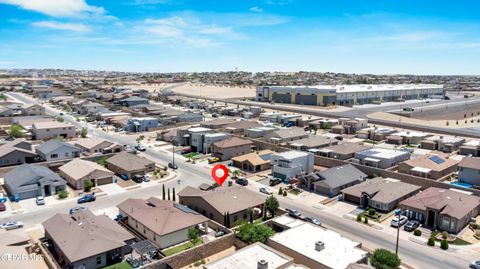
375	216
180	248
191	154
120	265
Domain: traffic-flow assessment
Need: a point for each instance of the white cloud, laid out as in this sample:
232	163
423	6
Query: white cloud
58	8
75	27
256	9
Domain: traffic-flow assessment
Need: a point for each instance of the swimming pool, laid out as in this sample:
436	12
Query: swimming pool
461	184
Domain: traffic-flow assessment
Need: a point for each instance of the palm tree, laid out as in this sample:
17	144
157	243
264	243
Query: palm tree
236	173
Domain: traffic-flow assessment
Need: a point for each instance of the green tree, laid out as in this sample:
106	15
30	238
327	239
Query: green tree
84	132
359	217
280	191
250	214
163	192
384	259
193	235
88	185
431	241
102	161
168	194
236	173
272	205
444	244
173	194
365	220
16	131
285	193
60	119
251	233
62	194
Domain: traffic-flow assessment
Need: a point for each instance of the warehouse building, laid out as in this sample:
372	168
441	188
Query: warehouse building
325	95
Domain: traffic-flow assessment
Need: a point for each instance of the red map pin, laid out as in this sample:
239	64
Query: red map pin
218	179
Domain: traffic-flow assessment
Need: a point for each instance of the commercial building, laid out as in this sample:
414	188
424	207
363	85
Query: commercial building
324	95
381	158
290	164
316	247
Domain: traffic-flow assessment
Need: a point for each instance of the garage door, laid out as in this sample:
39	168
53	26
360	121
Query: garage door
103	181
309	100
28	194
281	98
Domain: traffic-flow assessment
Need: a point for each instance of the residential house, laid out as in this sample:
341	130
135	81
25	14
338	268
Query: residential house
381	158
289	164
342	151
214	204
470	148
406	138
444	209
254	162
209	139
257	132
78	171
469	171
141	124
52	129
349	126
285	135
194	137
91	146
27	121
18	151
217	123
129	164
442	143
231	147
56	150
33	110
240	126
90	108
317	247
165	223
312	143
383	194
133	101
331	181
429	166
29	181
83	240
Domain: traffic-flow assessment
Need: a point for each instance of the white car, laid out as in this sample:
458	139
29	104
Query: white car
396	223
40	200
475	265
11	225
265	190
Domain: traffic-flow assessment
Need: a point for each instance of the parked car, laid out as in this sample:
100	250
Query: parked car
3	199
140	147
118	218
87	198
187	150
61	114
213	160
137	178
475	265
78	208
40	200
411	225
11	225
275	181
398	223
294	213
265	190
172	166
241	181
3	207
146	178
408	109
313	221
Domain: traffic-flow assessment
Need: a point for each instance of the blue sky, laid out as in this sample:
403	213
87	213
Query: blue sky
352	36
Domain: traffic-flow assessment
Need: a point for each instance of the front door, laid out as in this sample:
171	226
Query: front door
47	191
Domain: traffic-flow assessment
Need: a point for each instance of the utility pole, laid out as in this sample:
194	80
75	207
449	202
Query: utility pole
398	214
173	156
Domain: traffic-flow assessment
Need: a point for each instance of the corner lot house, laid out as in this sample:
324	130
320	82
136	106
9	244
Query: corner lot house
231	147
381	158
29	181
215	203
332	180
379	193
316	247
78	171
82	240
434	167
469	171
55	150
254	162
445	209
94	145
165	223
129	164
17	151
52	129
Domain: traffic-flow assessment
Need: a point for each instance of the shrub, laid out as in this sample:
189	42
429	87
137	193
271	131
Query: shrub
371	211
417	232
62	194
280	191
285	193
88	185
431	241
444	235
365	220
444	244
384	259
251	232
359	217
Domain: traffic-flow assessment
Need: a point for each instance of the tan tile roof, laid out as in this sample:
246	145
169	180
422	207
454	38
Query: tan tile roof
427	162
254	158
90	142
129	161
225	199
78	168
232	142
82	234
161	216
473	163
347	148
50	124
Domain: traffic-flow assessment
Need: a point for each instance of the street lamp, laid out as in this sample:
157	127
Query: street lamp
173	156
397	214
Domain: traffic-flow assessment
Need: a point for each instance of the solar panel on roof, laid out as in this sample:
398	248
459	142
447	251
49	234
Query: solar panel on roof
185	209
437	159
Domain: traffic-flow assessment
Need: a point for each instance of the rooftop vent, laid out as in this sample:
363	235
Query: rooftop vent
319	245
262	264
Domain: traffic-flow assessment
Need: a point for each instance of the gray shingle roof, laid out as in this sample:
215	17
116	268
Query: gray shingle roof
53	145
28	174
338	176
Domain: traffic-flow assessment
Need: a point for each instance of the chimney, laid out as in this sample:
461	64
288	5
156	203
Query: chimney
262	264
319	245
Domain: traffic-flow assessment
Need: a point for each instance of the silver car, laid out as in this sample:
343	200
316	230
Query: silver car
396	222
40	200
11	225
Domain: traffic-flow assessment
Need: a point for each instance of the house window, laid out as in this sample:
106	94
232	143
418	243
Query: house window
67	154
235	218
99	259
53	156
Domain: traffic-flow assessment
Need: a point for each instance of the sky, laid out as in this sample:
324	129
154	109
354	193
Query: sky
350	36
